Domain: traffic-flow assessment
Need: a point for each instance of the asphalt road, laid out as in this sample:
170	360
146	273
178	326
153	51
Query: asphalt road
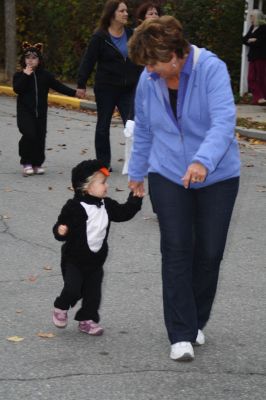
131	360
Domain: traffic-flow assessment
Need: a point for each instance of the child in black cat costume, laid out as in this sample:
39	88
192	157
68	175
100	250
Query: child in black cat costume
84	224
32	85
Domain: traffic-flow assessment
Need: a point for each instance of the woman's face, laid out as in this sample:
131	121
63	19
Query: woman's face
151	13
167	69
121	14
252	19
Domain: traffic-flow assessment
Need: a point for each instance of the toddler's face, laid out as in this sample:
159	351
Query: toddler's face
32	61
98	185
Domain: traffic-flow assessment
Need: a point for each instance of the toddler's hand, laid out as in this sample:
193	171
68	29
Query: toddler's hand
28	70
62	230
81	93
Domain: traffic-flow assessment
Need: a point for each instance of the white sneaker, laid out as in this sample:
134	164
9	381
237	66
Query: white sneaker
200	339
39	170
27	170
182	351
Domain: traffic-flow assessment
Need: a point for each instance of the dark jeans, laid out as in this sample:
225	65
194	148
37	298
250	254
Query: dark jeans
81	282
32	142
107	99
193	225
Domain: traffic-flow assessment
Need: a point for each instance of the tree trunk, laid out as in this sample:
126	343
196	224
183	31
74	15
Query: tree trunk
10	38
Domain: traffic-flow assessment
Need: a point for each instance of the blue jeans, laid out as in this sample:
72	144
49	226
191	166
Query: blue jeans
193	225
107	99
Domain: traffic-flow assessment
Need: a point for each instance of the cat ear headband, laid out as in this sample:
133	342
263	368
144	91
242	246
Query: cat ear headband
31	48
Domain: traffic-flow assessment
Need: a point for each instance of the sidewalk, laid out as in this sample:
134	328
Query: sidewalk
253	113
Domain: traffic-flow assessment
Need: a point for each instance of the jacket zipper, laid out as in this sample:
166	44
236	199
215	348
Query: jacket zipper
119	52
36	94
116	49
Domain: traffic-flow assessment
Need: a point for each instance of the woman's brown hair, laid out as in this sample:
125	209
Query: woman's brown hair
108	13
143	8
156	40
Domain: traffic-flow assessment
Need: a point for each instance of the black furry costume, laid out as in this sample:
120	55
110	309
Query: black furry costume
82	268
32	107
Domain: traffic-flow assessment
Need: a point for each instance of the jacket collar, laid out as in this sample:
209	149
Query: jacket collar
89	199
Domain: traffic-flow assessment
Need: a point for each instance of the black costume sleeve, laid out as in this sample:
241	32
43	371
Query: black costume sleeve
60	87
123	212
21	82
71	215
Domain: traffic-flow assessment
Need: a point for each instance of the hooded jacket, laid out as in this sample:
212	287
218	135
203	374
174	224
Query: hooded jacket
33	91
204	131
113	69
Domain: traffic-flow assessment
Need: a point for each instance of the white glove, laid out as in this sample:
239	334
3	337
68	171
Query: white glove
129	128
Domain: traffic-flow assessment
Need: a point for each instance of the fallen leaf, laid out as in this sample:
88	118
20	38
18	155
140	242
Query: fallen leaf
50	148
70	188
46	335
50	188
32	278
6	216
83	152
249	165
15	338
119	190
120	160
47	268
8	189
19	311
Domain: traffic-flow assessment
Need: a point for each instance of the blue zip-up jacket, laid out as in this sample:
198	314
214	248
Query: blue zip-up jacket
203	132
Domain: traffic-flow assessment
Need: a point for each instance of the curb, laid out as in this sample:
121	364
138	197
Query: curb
90	105
251	133
58	100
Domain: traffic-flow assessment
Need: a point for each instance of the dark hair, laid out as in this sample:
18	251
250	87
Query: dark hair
109	10
143	8
156	40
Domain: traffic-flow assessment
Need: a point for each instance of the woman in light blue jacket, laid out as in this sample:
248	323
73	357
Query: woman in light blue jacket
184	140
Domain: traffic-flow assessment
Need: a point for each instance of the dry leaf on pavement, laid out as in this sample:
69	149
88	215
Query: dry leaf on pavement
46	335
32	278
47	268
249	165
15	339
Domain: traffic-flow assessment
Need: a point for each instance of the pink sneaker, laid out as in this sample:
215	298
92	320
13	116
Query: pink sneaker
91	328
39	170
27	170
60	318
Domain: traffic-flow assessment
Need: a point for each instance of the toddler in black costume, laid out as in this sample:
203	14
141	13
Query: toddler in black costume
32	85
84	224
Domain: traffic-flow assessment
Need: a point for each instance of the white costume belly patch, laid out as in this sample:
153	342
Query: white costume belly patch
97	223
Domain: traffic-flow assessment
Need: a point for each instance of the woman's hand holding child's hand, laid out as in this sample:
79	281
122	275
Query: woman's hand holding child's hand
62	230
137	188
